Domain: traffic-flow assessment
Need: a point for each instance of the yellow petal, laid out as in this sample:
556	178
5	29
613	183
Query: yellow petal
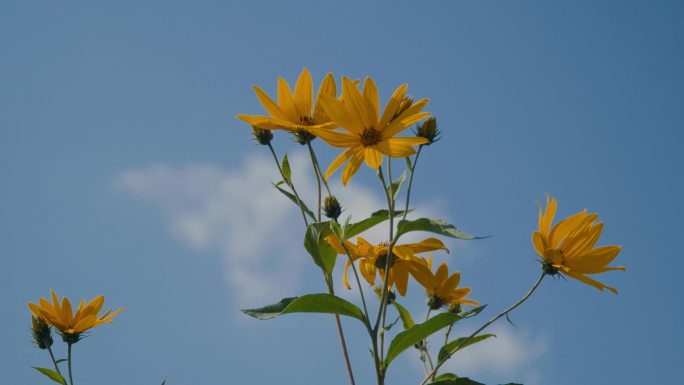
327	88
412	115
343	157
286	101
400	278
342	115
269	105
358	107
267	123
451	283
442	273
392	106
589	281
303	94
373	157
336	138
353	166
564	227
370	93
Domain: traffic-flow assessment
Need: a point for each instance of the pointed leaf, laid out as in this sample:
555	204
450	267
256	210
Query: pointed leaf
375	218
51	374
431	225
294	200
446	350
310	303
417	333
287	172
446	376
314	242
405	316
457	381
396	185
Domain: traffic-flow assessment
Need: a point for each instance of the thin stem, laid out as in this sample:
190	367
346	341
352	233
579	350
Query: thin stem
424	343
318	177
290	184
54	362
318	169
491	321
340	333
446	335
412	168
71	378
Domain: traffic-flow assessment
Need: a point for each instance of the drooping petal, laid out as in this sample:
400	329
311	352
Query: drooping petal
339	161
589	281
400	278
352	166
373	157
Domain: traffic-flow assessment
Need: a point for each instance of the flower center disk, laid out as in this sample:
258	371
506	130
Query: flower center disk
370	137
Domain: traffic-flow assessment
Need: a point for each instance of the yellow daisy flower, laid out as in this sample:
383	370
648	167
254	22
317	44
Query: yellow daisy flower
441	288
293	112
370	134
373	258
60	315
568	247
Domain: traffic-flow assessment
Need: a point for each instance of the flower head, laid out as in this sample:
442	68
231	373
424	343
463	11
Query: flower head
60	315
442	289
372	259
293	112
370	133
568	247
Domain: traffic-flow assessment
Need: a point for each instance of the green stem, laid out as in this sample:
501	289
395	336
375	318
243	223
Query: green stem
340	333
318	168
54	362
318	177
411	168
71	377
491	321
424	343
290	184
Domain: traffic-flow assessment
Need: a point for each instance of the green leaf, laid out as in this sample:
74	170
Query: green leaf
417	333
287	172
457	381
446	376
294	200
310	303
447	349
396	185
375	218
51	374
431	225
405	316
315	244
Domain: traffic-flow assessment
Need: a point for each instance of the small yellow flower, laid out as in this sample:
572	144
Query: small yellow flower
370	134
373	259
294	112
568	247
441	288
60	315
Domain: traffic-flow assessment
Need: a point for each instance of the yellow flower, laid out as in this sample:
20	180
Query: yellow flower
441	288
370	134
373	258
60	315
293	112
568	247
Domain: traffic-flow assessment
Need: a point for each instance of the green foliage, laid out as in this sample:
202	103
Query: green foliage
396	185
323	254
377	217
310	303
287	172
446	376
431	225
51	374
446	350
405	316
294	200
418	332
456	381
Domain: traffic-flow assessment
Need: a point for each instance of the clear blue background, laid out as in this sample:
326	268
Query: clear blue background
582	99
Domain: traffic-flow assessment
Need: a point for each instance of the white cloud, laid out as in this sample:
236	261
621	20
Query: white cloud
512	356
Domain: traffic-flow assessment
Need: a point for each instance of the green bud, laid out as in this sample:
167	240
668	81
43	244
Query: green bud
332	207
303	137
263	137
429	130
548	268
455	308
41	332
404	105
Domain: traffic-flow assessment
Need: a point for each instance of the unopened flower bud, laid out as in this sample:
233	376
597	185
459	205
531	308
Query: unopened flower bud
263	137
404	105
303	137
332	208
429	130
455	308
434	303
42	335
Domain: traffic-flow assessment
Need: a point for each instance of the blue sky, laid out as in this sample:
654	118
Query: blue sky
124	173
